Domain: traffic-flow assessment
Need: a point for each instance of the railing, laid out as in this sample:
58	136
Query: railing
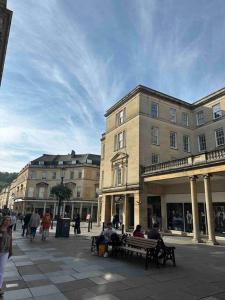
204	158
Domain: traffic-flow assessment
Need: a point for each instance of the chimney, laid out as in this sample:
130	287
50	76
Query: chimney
73	153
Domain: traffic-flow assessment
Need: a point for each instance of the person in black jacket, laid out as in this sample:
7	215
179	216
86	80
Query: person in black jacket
26	221
77	225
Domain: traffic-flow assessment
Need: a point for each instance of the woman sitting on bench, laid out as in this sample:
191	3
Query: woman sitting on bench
138	232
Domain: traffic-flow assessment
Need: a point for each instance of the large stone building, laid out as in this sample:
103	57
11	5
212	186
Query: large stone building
80	172
5	23
4	196
163	160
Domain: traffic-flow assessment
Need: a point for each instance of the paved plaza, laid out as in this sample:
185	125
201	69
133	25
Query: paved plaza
65	269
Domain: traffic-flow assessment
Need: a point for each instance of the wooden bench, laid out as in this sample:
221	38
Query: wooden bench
151	249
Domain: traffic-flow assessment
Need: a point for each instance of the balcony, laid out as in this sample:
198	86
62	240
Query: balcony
205	159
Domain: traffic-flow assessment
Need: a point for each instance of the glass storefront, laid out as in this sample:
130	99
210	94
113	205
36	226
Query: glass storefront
179	217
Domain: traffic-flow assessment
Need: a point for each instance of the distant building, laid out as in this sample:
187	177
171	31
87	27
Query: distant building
163	160
4	197
5	23
80	172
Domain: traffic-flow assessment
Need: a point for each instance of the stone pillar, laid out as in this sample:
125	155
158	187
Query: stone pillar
99	211
81	208
194	202
72	211
140	210
163	213
54	211
209	210
44	210
126	212
106	209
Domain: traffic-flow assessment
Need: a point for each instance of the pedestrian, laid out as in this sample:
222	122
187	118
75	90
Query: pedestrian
13	221
77	225
138	232
45	224
33	224
5	246
26	221
116	221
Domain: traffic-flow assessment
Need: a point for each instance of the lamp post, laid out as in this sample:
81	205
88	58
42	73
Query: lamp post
62	174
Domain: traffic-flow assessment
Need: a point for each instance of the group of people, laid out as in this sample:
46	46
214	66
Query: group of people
32	221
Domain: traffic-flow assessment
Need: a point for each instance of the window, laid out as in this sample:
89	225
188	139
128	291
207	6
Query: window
154	110
219	137
185	119
78	191
217	112
44	175
119	141
71	174
89	161
186	143
201	142
60	162
173	140
53	175
155	135
118	175
80	174
30	192
200	117
32	175
155	158
173	115
120	117
41	192
41	163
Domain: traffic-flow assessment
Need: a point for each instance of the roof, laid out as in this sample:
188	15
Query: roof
149	91
50	159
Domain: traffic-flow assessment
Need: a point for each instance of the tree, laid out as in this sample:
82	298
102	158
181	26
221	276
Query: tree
61	192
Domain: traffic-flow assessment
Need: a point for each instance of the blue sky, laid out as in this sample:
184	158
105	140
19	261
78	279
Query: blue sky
68	61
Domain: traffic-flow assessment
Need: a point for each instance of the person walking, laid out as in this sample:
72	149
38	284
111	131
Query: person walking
46	224
14	221
33	224
77	225
5	246
26	221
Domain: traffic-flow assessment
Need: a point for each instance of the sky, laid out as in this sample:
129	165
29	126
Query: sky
68	61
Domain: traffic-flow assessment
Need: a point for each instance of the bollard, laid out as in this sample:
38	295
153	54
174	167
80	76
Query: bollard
103	226
89	225
122	228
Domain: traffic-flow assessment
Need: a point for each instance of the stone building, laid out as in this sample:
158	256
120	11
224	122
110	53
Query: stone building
163	161
4	196
80	172
5	23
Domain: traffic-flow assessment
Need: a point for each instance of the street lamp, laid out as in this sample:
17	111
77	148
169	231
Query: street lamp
62	175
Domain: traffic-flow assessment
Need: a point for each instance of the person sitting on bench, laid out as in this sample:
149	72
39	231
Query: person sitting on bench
154	234
138	232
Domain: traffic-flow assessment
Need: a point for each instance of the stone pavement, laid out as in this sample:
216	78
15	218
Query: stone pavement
65	269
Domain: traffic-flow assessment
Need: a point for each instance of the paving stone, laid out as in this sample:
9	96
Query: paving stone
58	296
44	290
17	294
98	280
79	294
61	278
34	277
104	297
75	285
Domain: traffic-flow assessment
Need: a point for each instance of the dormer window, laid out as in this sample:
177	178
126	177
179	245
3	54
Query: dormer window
89	161
60	162
217	112
41	163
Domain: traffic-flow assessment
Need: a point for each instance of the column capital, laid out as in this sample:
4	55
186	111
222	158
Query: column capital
207	176
193	178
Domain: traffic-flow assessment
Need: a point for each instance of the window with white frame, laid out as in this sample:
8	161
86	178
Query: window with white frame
71	174
173	115
78	191
173	140
119	140
200	117
41	192
53	175
185	119
154	110
219	135
118	175
217	112
120	117
201	142
155	135
33	175
41	162
44	175
155	158
30	192
186	143
60	162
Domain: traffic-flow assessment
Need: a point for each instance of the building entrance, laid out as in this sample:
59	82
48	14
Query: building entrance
154	211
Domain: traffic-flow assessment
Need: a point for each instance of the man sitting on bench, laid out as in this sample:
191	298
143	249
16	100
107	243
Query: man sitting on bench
154	233
105	236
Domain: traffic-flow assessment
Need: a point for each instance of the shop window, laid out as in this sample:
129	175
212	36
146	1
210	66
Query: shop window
175	216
